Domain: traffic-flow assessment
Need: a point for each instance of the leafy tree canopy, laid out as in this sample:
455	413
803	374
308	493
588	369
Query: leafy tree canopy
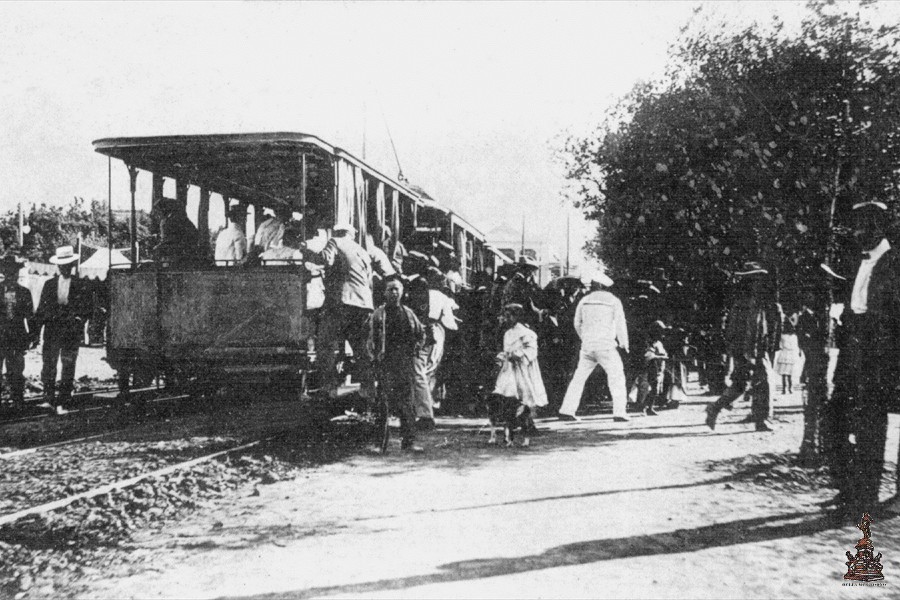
53	226
754	146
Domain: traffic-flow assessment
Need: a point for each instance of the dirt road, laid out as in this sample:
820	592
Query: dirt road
657	508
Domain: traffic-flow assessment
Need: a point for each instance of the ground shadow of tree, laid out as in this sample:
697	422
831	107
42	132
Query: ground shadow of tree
742	531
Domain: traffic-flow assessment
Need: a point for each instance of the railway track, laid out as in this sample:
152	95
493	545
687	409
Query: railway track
89	462
122	483
65	504
85	402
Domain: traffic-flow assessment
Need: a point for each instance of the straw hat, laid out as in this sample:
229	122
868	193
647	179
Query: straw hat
64	255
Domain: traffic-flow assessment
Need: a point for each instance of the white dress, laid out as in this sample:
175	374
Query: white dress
520	374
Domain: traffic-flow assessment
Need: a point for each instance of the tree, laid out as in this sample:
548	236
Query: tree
754	146
54	226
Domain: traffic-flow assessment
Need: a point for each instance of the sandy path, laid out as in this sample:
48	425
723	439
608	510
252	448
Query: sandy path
594	509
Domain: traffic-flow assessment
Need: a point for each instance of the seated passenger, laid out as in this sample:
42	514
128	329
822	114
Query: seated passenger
179	243
269	233
231	243
285	251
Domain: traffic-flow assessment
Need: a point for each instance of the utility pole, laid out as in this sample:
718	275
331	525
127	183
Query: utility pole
21	228
567	243
522	247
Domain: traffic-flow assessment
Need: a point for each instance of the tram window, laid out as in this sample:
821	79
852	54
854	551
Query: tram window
168	189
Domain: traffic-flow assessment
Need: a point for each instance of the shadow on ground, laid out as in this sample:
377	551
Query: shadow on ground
593	551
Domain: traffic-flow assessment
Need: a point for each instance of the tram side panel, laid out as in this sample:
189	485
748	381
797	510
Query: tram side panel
213	321
133	326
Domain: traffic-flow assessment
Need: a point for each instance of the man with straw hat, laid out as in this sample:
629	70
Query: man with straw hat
62	311
16	313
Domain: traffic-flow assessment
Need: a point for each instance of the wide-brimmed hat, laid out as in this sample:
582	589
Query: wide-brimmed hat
527	262
10	262
870	203
751	268
601	278
64	255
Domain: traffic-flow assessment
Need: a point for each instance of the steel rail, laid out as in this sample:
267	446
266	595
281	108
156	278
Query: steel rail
124	483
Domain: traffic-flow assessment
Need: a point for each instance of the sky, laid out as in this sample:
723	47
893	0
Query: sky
477	96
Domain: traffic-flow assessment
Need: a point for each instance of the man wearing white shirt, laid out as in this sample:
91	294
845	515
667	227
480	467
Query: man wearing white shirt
600	324
231	244
868	371
62	310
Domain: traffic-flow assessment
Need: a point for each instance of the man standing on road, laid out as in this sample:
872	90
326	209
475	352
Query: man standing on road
868	369
16	313
62	311
600	324
751	332
394	335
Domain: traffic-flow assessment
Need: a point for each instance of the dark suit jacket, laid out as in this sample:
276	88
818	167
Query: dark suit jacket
876	337
16	310
60	320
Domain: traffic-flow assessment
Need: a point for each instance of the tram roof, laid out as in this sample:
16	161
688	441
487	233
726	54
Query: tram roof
231	163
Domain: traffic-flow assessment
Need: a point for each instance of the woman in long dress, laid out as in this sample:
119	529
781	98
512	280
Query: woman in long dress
520	374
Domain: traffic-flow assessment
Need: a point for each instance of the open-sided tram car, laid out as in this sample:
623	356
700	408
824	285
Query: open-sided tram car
215	322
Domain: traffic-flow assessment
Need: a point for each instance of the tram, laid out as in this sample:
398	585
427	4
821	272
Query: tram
217	322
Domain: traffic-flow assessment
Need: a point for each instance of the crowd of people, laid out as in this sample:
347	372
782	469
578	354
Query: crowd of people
407	326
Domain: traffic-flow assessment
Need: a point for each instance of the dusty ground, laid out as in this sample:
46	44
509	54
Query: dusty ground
91	364
656	508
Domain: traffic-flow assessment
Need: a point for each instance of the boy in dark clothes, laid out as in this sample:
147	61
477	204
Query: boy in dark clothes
395	335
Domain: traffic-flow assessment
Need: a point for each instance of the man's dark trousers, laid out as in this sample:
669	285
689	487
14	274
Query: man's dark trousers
396	380
60	343
14	360
747	377
348	323
859	405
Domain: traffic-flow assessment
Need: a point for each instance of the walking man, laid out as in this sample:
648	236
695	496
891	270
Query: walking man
62	311
600	324
395	333
16	313
751	332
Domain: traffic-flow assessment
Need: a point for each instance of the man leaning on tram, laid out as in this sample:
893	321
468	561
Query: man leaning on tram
348	303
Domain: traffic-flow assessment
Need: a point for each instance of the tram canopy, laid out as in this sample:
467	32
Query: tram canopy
262	168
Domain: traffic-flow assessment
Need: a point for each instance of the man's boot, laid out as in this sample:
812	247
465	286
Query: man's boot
712	413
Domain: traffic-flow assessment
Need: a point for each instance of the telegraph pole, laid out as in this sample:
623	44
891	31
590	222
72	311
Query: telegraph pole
21	228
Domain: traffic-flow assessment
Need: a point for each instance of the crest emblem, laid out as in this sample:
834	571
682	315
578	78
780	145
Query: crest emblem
865	566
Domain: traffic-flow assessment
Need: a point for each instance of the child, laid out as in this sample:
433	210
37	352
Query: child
394	338
788	355
520	374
